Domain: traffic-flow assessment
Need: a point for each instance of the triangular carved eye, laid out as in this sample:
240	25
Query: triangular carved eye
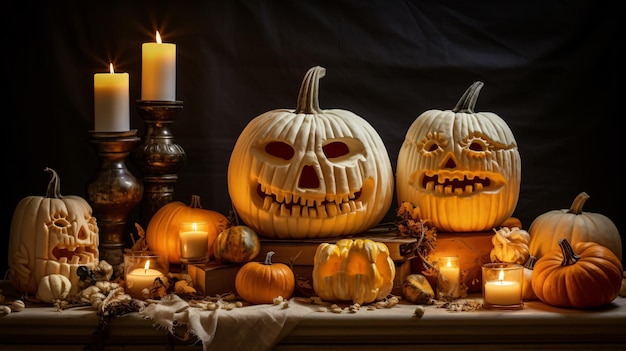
280	149
336	149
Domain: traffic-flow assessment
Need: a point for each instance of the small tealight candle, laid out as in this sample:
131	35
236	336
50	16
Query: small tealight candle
141	270
502	285
194	241
449	277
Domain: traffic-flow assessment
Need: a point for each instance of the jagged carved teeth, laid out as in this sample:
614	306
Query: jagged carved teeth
308	206
455	184
76	255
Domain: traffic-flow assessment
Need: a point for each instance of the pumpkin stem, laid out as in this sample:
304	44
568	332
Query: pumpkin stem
569	256
468	100
577	205
268	258
530	262
54	186
308	97
195	202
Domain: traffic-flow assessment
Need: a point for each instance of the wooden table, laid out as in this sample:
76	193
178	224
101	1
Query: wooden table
537	326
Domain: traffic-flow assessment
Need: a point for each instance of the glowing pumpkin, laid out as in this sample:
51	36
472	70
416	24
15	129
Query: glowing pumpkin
308	172
461	168
358	270
51	234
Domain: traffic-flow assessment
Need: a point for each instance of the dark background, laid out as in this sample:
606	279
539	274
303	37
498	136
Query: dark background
552	70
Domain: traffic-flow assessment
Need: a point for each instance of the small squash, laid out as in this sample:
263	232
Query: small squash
527	287
581	275
162	234
417	289
261	282
357	270
53	287
574	225
237	244
510	245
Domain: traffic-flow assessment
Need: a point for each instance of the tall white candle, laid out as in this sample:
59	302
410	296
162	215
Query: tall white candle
111	102
158	71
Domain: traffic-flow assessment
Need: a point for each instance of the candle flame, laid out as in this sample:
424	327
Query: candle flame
158	38
194	226
147	266
111	68
449	263
501	275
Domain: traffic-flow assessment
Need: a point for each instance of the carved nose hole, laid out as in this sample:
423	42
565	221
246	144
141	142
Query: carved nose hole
450	163
308	178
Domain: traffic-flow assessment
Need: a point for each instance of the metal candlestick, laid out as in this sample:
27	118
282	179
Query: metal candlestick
113	192
158	157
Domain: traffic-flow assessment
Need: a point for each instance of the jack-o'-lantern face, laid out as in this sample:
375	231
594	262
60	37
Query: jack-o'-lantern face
462	169
310	173
51	235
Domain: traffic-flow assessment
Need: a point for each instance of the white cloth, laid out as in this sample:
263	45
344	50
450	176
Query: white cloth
250	328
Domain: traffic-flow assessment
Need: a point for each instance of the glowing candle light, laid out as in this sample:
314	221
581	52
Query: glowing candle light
158	71
194	241
506	289
111	102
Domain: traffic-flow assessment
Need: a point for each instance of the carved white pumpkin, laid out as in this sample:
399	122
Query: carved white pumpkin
51	234
308	172
461	168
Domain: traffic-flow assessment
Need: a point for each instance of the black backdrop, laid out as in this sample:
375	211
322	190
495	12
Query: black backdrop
551	70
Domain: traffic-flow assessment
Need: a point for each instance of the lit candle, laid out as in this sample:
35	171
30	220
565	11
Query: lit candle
194	240
502	292
158	71
111	104
142	278
449	276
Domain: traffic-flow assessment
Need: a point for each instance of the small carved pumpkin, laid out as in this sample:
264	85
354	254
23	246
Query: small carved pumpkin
308	172
162	234
261	282
358	270
51	234
461	168
574	225
510	245
581	275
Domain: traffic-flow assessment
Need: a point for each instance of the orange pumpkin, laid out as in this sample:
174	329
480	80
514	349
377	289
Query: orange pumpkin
261	282
581	275
162	234
237	244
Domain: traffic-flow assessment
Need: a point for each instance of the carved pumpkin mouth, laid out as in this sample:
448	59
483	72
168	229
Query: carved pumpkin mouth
461	184
75	255
289	204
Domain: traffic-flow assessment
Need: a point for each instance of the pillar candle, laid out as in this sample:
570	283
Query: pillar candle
111	102
194	240
158	71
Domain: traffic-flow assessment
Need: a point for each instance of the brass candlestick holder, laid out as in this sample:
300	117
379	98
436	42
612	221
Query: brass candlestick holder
113	192
158	157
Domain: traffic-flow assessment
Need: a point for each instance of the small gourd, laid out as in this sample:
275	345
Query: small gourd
510	245
357	270
237	244
262	282
527	287
417	289
581	275
53	287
